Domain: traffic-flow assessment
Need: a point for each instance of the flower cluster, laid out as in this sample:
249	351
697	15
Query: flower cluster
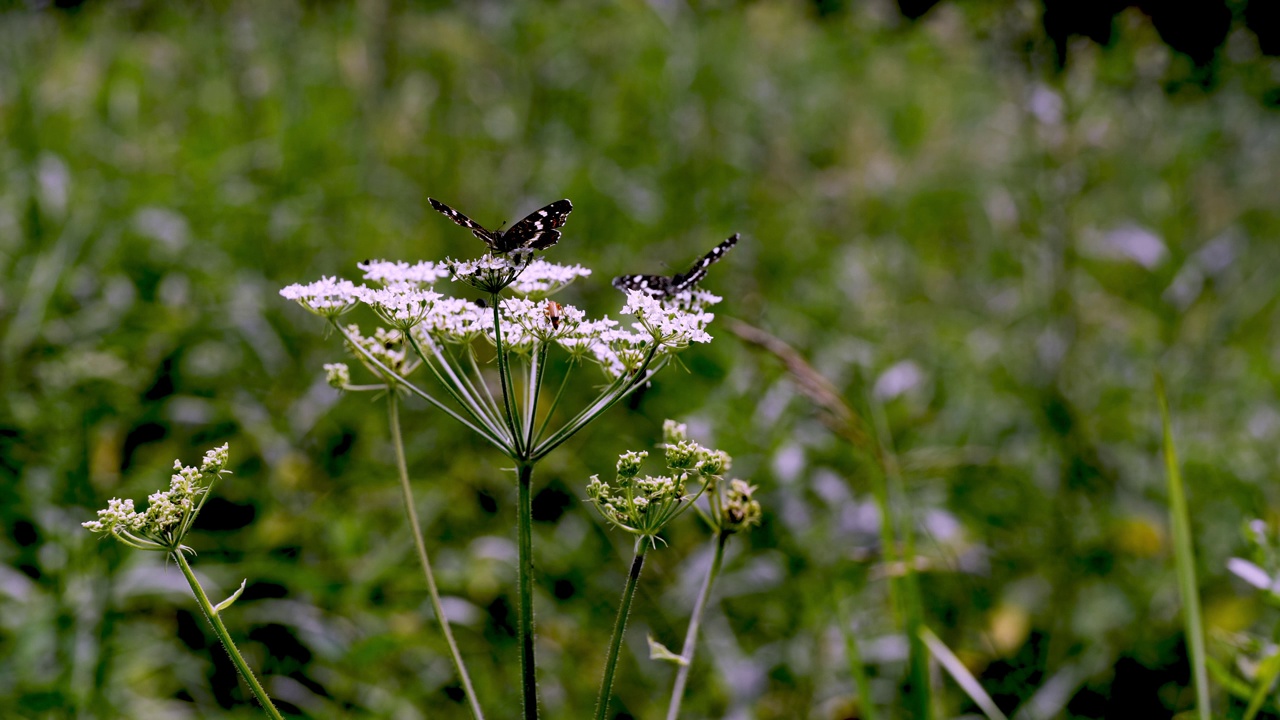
644	505
170	513
673	323
405	298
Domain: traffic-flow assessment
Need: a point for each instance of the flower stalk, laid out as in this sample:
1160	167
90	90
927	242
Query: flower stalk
695	624
212	615
393	412
620	627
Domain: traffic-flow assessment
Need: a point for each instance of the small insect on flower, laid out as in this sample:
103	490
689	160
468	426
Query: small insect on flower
554	314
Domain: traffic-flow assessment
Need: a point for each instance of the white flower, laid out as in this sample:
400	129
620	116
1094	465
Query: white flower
541	279
669	324
328	297
547	320
386	272
490	273
455	321
401	305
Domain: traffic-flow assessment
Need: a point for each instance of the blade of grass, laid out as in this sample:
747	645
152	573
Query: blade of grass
920	696
1268	671
1185	559
961	674
844	595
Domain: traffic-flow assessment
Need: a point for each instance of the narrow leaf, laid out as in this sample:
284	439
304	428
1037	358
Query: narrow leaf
658	651
1185	559
234	596
961	674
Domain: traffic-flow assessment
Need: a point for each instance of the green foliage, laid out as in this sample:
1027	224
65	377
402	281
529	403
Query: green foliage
1001	258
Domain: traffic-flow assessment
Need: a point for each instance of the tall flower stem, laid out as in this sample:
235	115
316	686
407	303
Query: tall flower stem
695	622
524	533
211	614
393	412
619	628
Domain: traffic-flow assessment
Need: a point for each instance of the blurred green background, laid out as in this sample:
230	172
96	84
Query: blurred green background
949	221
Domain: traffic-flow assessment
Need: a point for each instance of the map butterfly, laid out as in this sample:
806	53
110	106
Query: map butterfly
661	286
535	232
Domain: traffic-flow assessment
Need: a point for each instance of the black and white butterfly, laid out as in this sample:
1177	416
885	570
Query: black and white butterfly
535	232
661	286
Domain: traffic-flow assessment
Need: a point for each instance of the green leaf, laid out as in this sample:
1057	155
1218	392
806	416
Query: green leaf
658	651
234	596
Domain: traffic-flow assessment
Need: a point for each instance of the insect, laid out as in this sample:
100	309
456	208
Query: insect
535	232
553	314
660	286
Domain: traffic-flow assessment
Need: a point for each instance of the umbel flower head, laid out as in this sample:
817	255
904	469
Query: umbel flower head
170	513
644	505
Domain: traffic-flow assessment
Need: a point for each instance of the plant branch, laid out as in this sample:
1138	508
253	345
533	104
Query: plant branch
619	629
393	412
695	622
237	659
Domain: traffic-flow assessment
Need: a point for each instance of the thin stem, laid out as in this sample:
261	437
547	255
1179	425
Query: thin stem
537	366
475	367
921	694
695	621
457	390
603	403
555	402
393	412
854	654
504	377
487	403
619	628
211	615
524	534
485	432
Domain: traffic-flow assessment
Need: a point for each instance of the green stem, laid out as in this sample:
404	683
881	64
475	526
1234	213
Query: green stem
854	653
695	622
619	628
920	695
397	437
524	533
504	379
485	433
606	400
212	616
555	402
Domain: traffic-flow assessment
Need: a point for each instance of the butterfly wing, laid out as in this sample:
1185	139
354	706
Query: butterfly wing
491	239
686	280
655	285
538	230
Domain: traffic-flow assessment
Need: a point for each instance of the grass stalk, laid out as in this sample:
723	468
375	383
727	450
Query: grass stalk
1185	559
958	672
853	653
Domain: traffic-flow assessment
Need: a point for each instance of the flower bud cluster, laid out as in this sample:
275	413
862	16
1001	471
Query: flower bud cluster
170	513
643	505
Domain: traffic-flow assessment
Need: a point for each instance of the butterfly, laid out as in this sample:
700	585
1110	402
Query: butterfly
660	286
535	232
